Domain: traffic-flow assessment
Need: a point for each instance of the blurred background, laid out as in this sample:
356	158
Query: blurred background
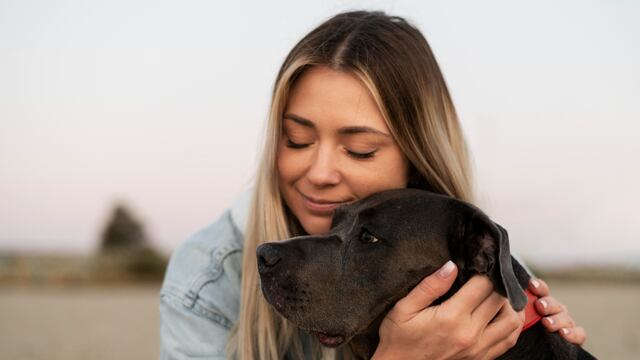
126	126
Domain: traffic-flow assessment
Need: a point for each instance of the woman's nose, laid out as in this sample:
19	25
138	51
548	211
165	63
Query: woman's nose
323	170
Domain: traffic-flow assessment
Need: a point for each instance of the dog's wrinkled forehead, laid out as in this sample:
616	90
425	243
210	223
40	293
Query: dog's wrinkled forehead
399	199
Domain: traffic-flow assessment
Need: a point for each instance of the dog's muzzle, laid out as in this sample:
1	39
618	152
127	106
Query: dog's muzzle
268	258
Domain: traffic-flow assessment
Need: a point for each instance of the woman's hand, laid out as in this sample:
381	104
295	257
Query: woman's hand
459	328
555	315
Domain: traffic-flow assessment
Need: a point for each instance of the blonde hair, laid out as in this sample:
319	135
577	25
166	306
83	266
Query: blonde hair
394	61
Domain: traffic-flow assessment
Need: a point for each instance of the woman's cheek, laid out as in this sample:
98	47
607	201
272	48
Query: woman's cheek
290	164
386	175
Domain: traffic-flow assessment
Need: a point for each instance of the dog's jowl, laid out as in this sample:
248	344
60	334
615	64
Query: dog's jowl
339	286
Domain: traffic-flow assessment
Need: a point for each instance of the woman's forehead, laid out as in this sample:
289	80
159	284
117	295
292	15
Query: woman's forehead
330	98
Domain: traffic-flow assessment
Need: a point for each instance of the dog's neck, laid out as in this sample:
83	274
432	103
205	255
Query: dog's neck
364	345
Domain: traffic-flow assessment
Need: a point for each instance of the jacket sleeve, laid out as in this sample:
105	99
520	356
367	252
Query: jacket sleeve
200	295
185	334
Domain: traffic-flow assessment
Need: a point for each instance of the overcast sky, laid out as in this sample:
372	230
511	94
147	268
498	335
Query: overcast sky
162	103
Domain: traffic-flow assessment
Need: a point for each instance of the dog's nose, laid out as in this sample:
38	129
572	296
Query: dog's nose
268	257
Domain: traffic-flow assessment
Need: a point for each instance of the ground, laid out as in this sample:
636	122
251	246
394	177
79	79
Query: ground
121	322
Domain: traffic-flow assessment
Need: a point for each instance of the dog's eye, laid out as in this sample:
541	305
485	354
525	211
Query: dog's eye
368	238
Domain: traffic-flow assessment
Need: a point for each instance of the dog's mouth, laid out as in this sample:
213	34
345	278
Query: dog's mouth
277	299
329	340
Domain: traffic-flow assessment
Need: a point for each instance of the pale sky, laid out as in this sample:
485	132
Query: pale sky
162	104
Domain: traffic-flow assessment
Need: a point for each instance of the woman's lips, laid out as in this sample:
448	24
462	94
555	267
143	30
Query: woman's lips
322	207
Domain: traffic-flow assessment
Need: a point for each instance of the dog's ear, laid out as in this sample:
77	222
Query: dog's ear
484	248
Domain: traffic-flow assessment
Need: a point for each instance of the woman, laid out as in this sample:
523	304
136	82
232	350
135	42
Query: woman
359	106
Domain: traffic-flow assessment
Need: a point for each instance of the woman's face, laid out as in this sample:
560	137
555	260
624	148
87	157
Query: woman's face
334	148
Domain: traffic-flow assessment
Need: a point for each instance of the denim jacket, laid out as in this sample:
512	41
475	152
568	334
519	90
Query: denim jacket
200	295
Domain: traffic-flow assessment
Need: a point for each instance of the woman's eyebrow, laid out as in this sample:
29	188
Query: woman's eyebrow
347	130
300	120
350	130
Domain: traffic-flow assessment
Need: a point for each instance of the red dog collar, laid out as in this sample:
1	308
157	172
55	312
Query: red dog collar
531	316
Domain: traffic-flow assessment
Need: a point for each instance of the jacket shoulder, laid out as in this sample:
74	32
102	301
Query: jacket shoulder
204	273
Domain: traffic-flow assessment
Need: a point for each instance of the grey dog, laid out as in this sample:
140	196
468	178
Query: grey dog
339	286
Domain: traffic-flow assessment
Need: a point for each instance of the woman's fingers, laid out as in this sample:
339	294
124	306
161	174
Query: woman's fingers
471	294
555	315
538	287
556	322
428	290
502	334
548	305
488	309
576	335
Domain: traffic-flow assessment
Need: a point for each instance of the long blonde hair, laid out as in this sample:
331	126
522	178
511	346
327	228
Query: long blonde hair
394	61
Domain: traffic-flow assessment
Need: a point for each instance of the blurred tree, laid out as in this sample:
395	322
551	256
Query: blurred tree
125	250
123	232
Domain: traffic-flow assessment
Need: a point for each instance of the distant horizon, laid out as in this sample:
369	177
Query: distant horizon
617	263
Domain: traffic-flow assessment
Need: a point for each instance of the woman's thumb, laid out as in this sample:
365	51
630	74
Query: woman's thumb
427	291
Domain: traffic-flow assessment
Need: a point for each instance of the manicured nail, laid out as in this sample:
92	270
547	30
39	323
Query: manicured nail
549	320
446	269
544	304
535	283
565	331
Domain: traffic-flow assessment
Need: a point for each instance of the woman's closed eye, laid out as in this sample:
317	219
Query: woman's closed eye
354	154
361	155
296	145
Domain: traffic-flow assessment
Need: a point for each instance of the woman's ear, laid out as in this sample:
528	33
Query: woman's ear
483	248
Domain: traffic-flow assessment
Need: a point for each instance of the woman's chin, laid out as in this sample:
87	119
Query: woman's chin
316	225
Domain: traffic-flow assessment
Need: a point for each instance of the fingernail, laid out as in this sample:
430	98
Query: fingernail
535	283
565	331
549	320
543	303
446	269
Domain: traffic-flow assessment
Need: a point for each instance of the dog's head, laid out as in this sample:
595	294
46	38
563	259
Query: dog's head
377	250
